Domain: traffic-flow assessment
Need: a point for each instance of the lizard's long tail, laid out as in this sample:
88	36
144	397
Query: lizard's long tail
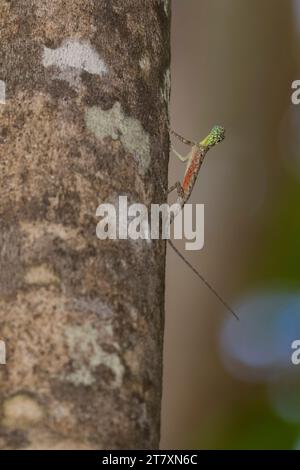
208	285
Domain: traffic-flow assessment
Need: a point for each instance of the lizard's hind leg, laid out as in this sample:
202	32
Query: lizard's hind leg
178	188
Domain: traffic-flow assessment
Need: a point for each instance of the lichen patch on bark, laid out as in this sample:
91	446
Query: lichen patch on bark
21	411
37	233
40	275
87	354
71	59
115	124
2	92
145	64
165	91
167	6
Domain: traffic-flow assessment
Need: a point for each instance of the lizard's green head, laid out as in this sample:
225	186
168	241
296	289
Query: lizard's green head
216	135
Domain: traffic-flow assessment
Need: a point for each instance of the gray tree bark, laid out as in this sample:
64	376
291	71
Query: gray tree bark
85	120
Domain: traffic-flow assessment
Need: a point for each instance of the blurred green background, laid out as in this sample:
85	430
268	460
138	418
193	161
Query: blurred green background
229	384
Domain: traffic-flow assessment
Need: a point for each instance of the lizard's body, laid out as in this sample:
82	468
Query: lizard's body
194	161
184	189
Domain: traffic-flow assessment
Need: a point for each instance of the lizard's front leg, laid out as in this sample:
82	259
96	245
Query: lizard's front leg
183	140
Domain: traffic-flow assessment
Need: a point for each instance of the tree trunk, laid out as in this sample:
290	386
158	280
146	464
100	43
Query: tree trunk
85	120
